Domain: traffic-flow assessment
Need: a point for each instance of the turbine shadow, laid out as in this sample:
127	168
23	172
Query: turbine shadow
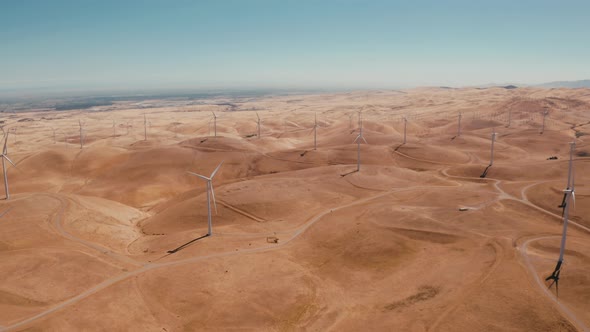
187	244
485	172
345	174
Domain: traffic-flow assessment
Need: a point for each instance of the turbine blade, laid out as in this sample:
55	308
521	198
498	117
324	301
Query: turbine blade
257	116
364	140
216	169
574	199
10	161
356	139
199	175
5	149
213	196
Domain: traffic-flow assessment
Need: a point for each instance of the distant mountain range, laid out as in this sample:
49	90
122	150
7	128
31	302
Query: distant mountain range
556	84
566	84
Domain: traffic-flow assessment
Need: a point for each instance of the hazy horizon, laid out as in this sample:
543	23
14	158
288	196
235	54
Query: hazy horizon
107	45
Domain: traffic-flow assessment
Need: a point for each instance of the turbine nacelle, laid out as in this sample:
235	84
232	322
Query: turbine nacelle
209	182
570	192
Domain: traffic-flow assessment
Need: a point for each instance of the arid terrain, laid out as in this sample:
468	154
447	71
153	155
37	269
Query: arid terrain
414	241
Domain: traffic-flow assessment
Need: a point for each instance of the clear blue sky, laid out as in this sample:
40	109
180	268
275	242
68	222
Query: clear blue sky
300	43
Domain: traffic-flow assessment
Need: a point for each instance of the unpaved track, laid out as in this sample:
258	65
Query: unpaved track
524	200
145	267
562	307
152	266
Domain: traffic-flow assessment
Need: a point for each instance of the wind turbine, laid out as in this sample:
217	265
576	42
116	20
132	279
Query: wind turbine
114	129
459	126
81	134
405	128
258	124
545	113
214	123
569	193
144	127
4	158
358	142
494	134
210	194
570	176
315	130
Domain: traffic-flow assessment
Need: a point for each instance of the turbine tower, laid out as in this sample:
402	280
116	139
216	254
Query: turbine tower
315	130
214	124
4	158
258	125
210	194
405	128
492	150
144	127
81	134
358	142
459	126
545	113
569	194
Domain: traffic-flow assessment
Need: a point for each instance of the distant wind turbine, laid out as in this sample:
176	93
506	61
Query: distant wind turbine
214	124
144	127
405	128
569	193
210	194
258	124
494	134
545	113
81	134
358	140
315	131
459	126
5	158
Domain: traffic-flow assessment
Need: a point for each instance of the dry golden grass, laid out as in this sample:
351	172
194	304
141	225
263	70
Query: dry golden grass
86	239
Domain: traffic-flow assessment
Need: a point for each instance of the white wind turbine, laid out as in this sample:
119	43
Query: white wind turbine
358	140
459	125
315	131
258	124
494	134
405	128
81	134
4	158
210	194
214	124
545	113
569	193
144	127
